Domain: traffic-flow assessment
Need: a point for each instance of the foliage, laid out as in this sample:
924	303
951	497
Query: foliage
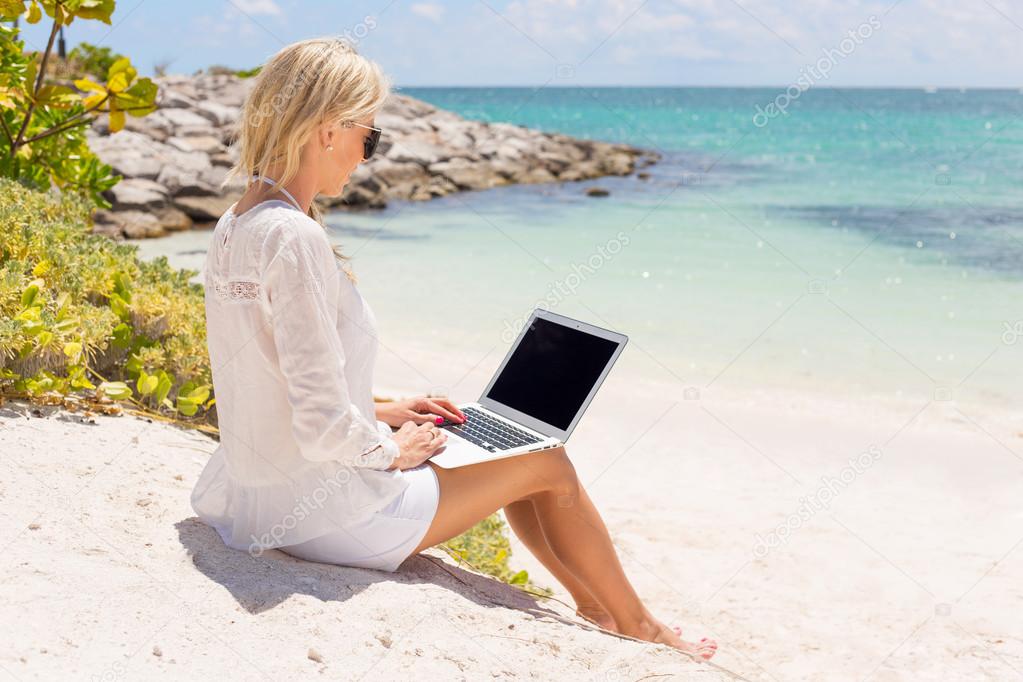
485	547
220	70
81	313
42	122
248	73
92	60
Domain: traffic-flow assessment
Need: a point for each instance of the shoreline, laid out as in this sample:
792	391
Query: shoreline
175	160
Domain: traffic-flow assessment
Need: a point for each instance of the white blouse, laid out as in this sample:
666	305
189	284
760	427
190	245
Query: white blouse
292	345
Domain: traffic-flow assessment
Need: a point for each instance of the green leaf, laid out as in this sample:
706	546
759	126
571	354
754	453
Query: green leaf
58	96
199	394
163	387
34	13
118	390
520	578
12	8
120	75
122	335
28	297
96	9
72	349
146	383
119	307
89	85
186	406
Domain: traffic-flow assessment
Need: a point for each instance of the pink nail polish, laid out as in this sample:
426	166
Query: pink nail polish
439	420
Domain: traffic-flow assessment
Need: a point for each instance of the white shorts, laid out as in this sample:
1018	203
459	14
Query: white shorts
387	538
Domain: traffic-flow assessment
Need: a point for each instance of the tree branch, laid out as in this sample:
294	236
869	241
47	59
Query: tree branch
38	83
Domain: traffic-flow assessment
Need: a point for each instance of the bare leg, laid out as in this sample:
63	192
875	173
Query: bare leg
574	530
522	519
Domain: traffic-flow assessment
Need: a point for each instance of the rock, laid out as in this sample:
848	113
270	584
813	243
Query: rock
130	224
173	121
205	208
173	219
181	174
174	99
218	114
620	163
583	170
137	193
176	160
597	192
225	159
466	174
207	144
530	174
314	655
418	151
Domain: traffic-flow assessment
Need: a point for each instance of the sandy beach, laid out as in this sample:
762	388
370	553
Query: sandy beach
906	570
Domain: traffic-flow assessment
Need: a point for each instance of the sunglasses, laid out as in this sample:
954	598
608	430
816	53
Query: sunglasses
370	142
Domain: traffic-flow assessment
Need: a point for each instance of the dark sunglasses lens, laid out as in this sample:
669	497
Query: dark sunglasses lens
369	144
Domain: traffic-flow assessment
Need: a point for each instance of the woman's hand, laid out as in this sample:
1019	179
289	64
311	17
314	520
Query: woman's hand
421	410
416	444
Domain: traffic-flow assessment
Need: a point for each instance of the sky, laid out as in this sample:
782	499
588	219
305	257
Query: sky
892	43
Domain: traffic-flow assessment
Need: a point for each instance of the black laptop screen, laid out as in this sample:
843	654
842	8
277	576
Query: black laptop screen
551	372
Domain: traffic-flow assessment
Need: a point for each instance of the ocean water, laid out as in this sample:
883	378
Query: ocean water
864	243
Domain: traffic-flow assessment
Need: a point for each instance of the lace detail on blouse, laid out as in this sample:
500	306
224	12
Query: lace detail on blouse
235	290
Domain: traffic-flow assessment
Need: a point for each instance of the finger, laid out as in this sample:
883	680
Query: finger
422	417
446	409
406	427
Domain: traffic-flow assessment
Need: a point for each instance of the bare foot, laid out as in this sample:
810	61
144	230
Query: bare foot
598	616
655	631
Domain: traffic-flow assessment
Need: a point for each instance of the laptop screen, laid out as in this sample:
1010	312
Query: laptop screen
552	371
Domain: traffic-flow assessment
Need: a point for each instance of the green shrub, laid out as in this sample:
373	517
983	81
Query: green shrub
89	59
78	310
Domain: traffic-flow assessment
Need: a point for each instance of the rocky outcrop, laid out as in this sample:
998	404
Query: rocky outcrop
176	159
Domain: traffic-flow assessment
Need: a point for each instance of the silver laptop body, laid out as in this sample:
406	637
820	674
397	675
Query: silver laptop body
539	393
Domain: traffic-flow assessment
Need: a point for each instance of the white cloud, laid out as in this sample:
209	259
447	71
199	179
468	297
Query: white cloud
254	7
431	11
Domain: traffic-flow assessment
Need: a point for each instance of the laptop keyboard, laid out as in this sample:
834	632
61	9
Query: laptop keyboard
490	433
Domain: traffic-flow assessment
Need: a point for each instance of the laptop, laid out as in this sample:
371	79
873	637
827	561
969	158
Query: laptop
538	394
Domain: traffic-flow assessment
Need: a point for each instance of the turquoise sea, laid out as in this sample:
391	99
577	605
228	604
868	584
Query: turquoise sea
865	243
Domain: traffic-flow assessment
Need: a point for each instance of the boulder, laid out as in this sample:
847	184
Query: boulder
207	144
204	209
138	194
466	174
173	219
128	224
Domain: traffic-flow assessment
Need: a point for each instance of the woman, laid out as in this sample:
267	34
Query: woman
307	462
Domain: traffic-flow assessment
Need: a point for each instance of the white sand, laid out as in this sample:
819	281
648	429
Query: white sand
912	572
108	576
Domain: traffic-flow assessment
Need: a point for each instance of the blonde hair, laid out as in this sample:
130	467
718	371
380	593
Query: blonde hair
305	84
